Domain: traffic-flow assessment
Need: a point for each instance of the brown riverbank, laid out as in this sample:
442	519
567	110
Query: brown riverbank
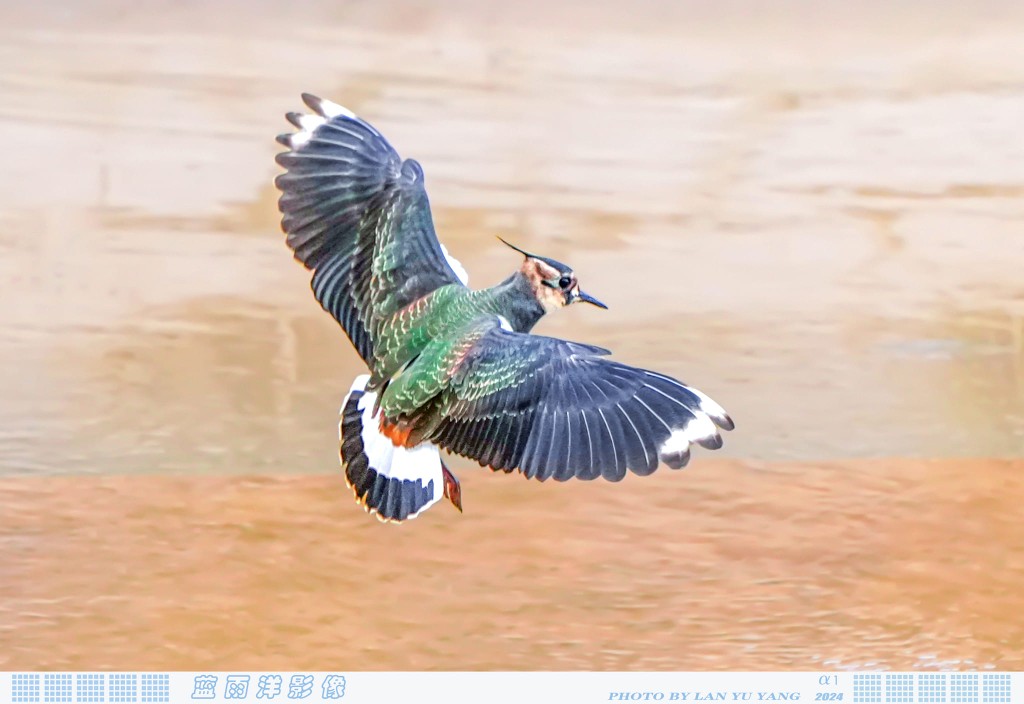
898	563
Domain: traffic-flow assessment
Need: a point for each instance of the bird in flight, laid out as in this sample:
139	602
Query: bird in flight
450	367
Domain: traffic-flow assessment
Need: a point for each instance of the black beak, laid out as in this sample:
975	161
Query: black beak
587	298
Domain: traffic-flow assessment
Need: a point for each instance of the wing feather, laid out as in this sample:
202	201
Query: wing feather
564	410
357	215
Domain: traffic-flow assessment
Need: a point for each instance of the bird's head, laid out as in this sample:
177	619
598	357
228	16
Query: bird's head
554	284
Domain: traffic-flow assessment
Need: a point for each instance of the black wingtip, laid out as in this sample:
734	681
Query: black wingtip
714	442
313	103
677	460
726	423
284	139
295	118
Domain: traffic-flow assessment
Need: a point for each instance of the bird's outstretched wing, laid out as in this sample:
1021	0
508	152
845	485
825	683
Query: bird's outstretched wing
557	409
357	215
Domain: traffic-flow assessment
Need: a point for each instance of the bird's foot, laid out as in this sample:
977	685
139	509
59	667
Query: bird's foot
452	490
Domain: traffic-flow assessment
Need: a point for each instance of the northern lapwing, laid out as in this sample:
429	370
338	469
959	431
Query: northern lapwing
454	368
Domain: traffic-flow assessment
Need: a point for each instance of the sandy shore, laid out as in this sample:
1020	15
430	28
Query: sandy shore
893	564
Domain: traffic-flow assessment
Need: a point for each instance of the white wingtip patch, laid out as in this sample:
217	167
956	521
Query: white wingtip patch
713	409
311	122
329	109
456	266
298	139
307	124
700	428
709	406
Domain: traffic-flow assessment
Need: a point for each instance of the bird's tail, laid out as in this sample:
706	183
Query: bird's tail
394	483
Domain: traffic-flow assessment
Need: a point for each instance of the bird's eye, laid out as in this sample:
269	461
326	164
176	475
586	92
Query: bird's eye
564	282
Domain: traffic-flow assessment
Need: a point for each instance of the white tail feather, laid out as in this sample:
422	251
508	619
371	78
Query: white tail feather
422	462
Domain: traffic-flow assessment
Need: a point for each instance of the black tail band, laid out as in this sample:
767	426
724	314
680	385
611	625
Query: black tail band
392	499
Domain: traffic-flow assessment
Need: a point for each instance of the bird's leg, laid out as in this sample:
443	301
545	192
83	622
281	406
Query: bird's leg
452	490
